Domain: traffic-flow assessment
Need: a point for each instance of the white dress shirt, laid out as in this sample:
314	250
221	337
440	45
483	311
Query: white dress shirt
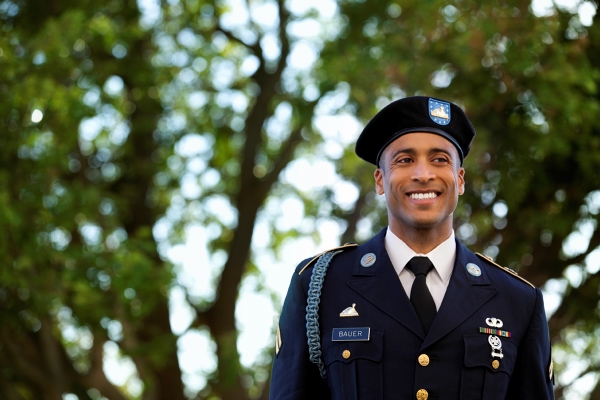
442	258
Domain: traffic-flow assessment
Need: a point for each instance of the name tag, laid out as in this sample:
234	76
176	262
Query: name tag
351	334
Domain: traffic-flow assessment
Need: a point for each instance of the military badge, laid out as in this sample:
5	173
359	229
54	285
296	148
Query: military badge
491	331
494	340
439	111
367	260
350	311
494	322
496	345
473	269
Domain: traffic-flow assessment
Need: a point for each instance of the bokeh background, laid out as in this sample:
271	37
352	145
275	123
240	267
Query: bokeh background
164	165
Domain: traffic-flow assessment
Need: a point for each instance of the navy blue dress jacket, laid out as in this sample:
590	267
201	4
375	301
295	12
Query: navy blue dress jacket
387	365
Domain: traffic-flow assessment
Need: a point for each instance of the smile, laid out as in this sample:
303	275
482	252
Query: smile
423	196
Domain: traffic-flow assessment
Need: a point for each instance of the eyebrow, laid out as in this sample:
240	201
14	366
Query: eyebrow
412	151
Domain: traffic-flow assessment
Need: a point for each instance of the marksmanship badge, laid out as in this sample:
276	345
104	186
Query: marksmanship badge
439	111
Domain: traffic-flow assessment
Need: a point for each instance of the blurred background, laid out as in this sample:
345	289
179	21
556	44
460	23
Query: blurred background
165	165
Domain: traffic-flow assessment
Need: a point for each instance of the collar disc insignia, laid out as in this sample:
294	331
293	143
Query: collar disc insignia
367	260
473	269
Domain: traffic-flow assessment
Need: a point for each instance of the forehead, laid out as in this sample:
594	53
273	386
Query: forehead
421	142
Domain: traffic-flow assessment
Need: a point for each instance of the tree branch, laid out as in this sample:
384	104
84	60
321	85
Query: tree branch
254	48
284	16
8	388
28	369
569	312
595	393
260	110
130	342
50	350
593	245
353	218
248	200
285	156
95	378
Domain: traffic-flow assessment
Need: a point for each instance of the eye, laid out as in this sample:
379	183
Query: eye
403	160
441	159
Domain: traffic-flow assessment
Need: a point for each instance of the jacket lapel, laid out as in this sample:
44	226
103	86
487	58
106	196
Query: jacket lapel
465	295
380	285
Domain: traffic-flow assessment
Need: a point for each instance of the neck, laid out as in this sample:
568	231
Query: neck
422	240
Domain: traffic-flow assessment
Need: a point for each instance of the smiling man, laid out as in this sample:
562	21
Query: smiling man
412	313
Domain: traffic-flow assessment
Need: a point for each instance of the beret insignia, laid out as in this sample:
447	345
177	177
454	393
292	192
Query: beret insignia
439	111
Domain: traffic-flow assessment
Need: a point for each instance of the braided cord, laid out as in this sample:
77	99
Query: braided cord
312	311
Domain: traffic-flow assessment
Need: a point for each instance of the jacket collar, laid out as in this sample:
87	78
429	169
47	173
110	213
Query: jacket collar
380	285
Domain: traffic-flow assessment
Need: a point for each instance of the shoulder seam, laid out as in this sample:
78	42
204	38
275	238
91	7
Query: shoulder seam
345	246
507	270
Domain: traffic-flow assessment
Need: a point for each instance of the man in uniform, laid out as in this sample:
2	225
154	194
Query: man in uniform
412	313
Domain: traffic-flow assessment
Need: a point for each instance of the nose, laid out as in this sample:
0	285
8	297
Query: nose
422	172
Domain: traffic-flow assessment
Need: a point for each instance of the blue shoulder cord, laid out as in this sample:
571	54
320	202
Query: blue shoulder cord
312	311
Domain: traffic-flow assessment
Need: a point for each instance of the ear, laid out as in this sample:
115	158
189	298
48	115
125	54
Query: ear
379	181
461	180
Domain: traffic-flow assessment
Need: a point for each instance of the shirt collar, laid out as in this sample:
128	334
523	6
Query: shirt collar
442	257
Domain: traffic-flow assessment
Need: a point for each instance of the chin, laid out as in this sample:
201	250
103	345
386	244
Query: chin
426	223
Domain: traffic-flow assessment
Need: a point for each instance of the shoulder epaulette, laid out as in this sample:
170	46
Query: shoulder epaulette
505	269
344	247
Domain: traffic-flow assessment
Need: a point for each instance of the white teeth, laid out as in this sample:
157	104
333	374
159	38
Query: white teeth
422	196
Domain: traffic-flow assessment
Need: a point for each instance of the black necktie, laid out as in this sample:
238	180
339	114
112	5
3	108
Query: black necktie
420	297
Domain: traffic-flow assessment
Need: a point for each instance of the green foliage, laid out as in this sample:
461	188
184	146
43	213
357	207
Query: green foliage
75	237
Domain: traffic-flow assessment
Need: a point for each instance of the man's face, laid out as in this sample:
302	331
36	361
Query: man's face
421	177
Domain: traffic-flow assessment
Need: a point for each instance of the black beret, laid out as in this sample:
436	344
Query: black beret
415	114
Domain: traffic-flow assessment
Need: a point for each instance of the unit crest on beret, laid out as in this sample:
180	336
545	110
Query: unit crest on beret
505	269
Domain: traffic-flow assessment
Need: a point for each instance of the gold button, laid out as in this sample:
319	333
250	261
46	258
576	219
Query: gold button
346	354
422	394
424	360
495	364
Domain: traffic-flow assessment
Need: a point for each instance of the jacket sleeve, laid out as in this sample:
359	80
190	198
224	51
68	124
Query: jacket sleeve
293	375
531	378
